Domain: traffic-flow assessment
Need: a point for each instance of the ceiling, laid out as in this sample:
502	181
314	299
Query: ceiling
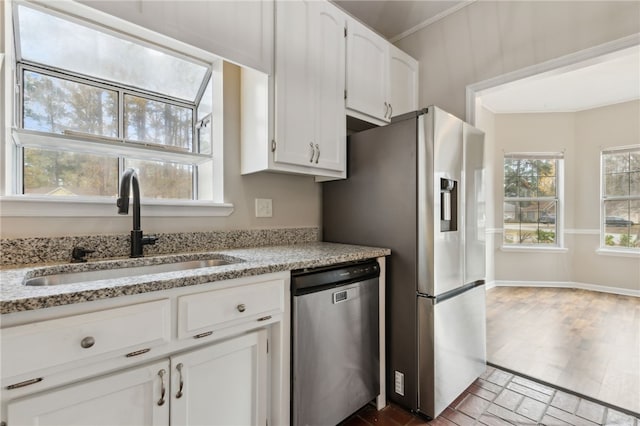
592	84
391	18
608	81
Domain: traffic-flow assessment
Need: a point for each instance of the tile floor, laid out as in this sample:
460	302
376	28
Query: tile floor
499	398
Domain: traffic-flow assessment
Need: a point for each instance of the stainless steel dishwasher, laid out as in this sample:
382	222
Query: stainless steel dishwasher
335	342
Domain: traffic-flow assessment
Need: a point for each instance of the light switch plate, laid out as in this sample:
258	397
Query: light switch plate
264	207
399	383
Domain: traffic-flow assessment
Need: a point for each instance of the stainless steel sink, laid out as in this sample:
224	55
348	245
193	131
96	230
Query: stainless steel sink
105	274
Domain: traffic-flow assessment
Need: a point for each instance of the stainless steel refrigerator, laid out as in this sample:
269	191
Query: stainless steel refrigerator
416	187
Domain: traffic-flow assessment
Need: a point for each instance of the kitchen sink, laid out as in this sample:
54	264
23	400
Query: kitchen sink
123	272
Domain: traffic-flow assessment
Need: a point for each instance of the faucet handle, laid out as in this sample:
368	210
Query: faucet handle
78	254
149	239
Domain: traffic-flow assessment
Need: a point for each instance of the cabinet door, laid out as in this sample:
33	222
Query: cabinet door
294	84
403	92
367	71
329	75
133	398
222	384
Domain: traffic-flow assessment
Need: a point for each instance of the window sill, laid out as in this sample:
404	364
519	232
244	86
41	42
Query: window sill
617	253
529	249
34	206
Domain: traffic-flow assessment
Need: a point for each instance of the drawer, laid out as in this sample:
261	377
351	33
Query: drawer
203	313
119	331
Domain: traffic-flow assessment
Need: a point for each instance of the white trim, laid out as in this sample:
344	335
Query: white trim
34	206
582	231
431	20
529	249
576	60
490	284
569	284
618	253
494	231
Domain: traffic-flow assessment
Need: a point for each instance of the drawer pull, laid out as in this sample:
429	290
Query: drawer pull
268	317
179	368
201	335
241	307
87	342
136	353
25	383
163	390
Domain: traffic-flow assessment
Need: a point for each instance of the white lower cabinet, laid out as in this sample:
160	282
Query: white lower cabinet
132	397
215	354
222	384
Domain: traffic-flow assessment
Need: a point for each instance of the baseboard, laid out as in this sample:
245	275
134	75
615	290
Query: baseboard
565	284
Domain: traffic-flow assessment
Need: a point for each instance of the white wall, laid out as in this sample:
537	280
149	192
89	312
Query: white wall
490	38
296	199
580	136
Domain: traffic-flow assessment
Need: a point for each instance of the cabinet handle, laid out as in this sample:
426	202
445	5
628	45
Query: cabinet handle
313	152
179	368
318	155
87	342
241	307
386	109
390	111
163	389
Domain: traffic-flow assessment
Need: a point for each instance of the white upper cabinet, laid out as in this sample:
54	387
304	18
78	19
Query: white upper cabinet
382	80
308	135
238	31
367	73
403	92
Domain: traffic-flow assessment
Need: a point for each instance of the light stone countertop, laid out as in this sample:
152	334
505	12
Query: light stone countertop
16	297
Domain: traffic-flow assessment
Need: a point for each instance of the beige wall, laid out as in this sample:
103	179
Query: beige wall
296	199
490	38
580	136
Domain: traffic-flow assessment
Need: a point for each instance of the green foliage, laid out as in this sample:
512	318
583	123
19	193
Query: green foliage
546	236
609	240
627	240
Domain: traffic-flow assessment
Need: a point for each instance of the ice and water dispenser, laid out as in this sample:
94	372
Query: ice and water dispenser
448	205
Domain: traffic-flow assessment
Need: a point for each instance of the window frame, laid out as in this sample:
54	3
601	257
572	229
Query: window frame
605	249
16	204
558	244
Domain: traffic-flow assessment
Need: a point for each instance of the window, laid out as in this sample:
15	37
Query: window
532	199
620	199
93	100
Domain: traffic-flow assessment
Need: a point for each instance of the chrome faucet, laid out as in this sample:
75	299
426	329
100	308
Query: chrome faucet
138	240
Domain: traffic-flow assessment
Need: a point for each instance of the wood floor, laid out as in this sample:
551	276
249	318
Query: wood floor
583	341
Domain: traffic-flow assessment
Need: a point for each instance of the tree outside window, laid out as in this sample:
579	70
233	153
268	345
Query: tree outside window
531	199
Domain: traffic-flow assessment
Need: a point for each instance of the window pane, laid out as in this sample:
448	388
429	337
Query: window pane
204	127
54	105
157	122
527	186
616	163
530	222
68	173
621	223
546	186
616	184
57	42
163	180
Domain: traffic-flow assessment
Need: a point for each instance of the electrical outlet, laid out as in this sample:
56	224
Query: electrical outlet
399	383
264	207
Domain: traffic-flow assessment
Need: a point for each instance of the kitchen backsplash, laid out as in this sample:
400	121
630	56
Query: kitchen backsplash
40	250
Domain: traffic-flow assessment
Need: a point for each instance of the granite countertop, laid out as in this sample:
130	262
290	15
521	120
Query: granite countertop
16	297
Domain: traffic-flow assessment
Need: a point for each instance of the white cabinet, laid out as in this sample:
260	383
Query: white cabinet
308	134
221	384
138	396
403	79
382	80
367	73
202	351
